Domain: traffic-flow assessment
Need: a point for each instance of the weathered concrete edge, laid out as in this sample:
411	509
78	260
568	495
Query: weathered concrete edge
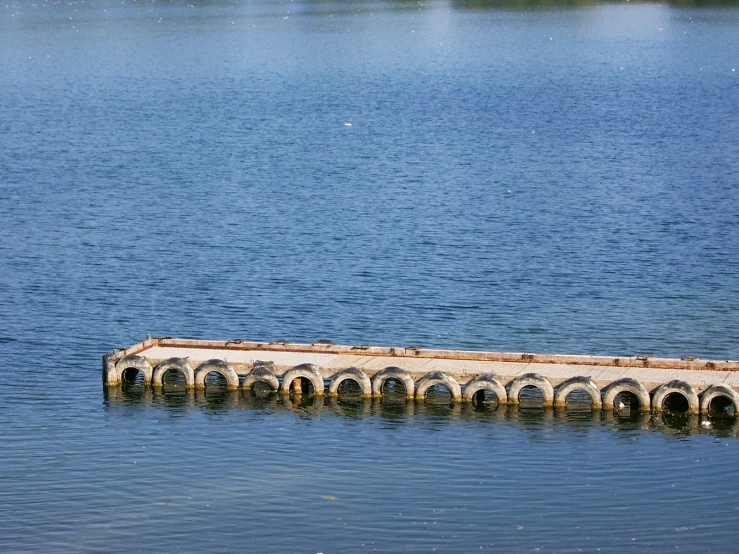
111	358
641	361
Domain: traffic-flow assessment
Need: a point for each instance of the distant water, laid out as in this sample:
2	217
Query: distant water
469	175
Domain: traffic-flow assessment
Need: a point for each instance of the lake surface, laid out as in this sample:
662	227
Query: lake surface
475	175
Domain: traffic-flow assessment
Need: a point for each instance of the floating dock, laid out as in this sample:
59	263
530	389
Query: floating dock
320	368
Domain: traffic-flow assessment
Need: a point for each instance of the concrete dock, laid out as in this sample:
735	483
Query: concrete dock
695	385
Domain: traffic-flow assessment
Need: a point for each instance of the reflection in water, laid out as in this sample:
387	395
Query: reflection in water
173	397
579	417
217	399
439	412
627	422
528	417
259	398
676	423
128	393
484	412
351	408
304	406
393	409
722	427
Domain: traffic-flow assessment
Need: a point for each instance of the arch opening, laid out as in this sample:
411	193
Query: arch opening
438	394
174	378
132	376
531	396
721	406
485	398
215	380
350	389
578	399
393	390
676	402
301	386
626	403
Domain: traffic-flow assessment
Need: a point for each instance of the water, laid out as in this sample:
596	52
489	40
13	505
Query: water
559	179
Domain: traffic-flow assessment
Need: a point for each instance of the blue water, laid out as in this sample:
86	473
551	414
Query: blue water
558	179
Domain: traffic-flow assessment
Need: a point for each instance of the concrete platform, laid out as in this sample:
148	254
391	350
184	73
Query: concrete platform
241	361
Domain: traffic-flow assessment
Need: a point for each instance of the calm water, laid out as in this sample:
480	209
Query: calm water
463	175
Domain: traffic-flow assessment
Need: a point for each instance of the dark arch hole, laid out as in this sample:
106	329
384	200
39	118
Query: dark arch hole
578	399
349	389
301	385
625	403
485	399
261	389
530	396
393	390
675	402
438	394
722	406
132	376
173	378
214	380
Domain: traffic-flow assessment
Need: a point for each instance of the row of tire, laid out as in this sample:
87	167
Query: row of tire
373	387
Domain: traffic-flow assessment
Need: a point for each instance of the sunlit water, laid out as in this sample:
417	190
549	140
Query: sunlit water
458	175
